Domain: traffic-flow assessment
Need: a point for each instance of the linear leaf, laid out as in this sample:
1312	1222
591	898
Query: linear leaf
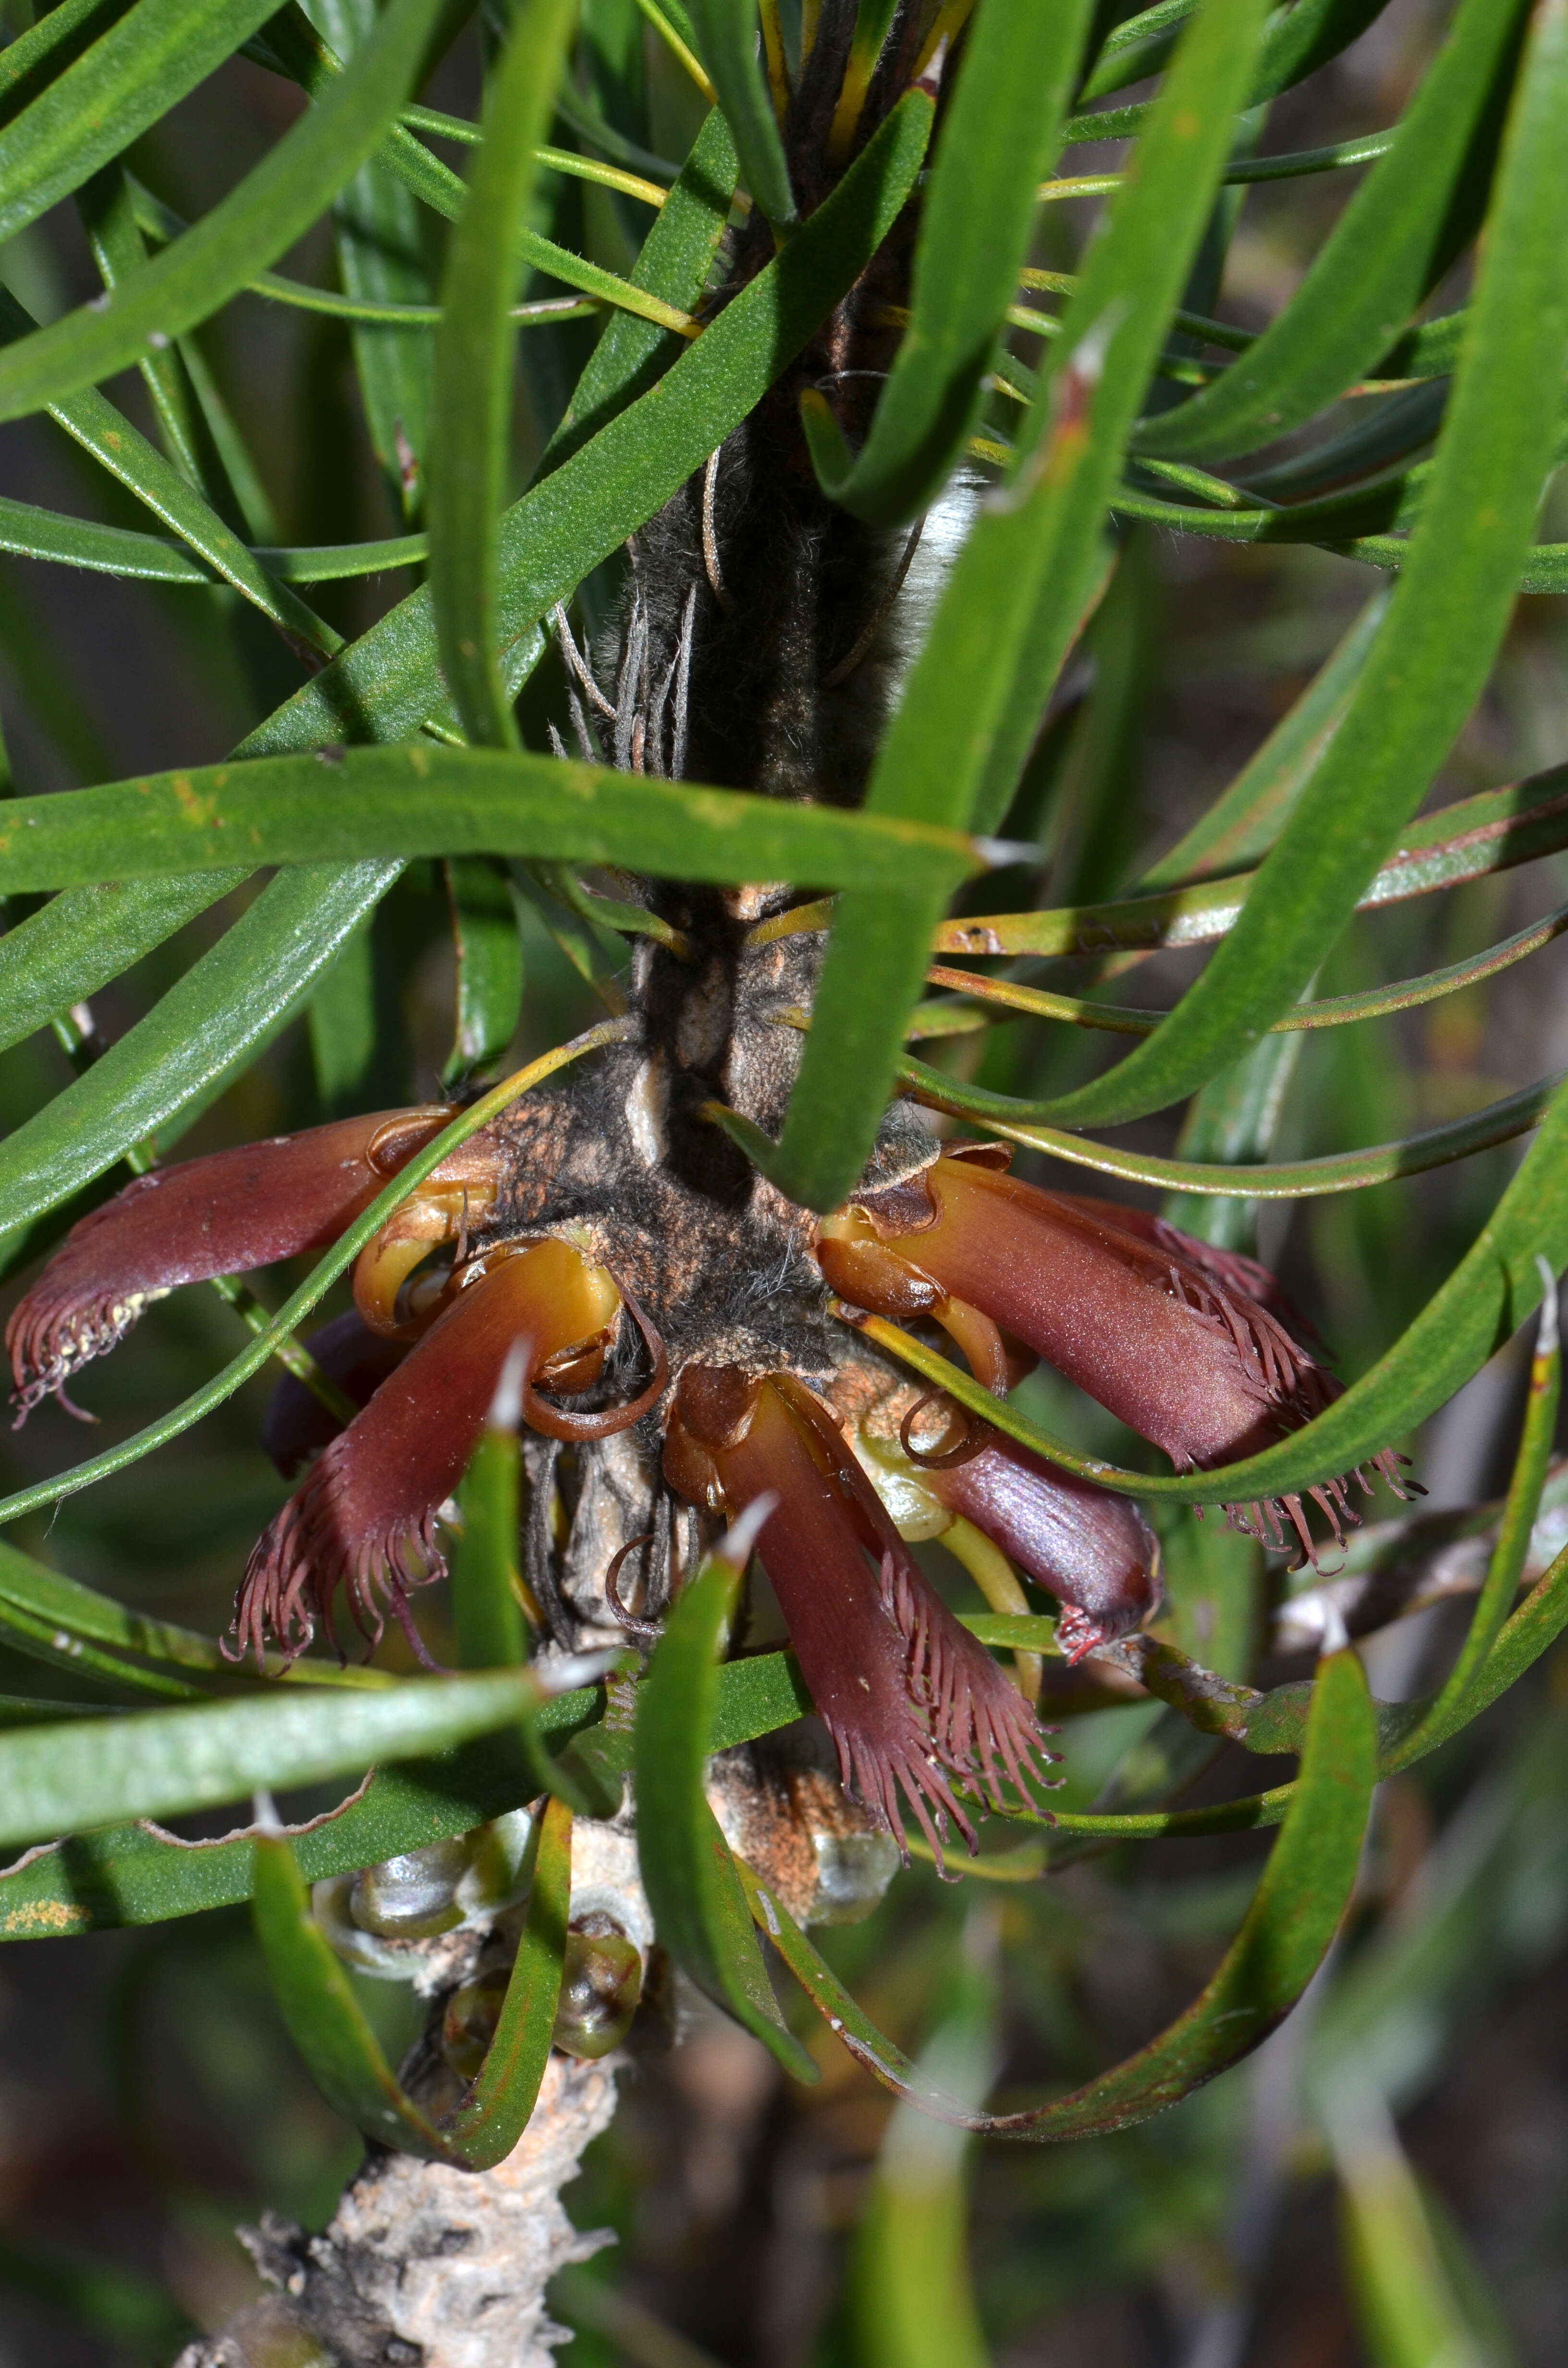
80	941
687	1872
378	236
74	1615
1015	596
1395	239
1295	1913
1290	1179
247	230
999	133
228	1005
164	1763
486	2127
473	392
420	799
325	2021
1243	821
676	257
726	42
1436	646
1490	832
132	74
133	1874
489	954
388	682
127	455
33	533
299	50
1504	1571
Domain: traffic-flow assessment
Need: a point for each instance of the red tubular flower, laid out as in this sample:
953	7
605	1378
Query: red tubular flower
220	1215
1094	1551
366	1515
907	1695
1154	1329
296	1425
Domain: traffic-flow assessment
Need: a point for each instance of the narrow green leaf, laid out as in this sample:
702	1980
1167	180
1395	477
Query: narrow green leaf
73	1613
228	1005
473	394
108	216
378	233
299	49
1235	1122
911	2294
123	1876
1401	2250
132	74
1505	1569
247	230
999	133
33	533
489	962
1532	1630
80	941
688	1870
1286	1179
133	1874
325	2021
126	454
1243	821
164	1763
486	1613
1295	1913
726	42
1015	594
1394	242
390	682
1467	840
1436	646
676	257
419	800
41	54
486	2127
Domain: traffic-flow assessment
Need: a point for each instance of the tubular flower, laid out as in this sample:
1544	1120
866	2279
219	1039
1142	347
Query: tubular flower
220	1215
1094	1551
1155	1326
909	1699
296	1425
366	1515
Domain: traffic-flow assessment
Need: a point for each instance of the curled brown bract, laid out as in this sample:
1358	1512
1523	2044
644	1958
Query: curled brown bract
648	1630
969	1441
558	1422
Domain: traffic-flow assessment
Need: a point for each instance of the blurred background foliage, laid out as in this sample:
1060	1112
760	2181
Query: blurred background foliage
1386	2182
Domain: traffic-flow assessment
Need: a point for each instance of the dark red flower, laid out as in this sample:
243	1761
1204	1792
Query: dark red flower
223	1215
908	1696
1095	1550
365	1515
1152	1325
296	1425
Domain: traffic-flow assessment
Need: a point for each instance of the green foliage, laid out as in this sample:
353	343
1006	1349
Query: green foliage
389	735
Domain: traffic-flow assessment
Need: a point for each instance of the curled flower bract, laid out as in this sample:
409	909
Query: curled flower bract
909	1699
